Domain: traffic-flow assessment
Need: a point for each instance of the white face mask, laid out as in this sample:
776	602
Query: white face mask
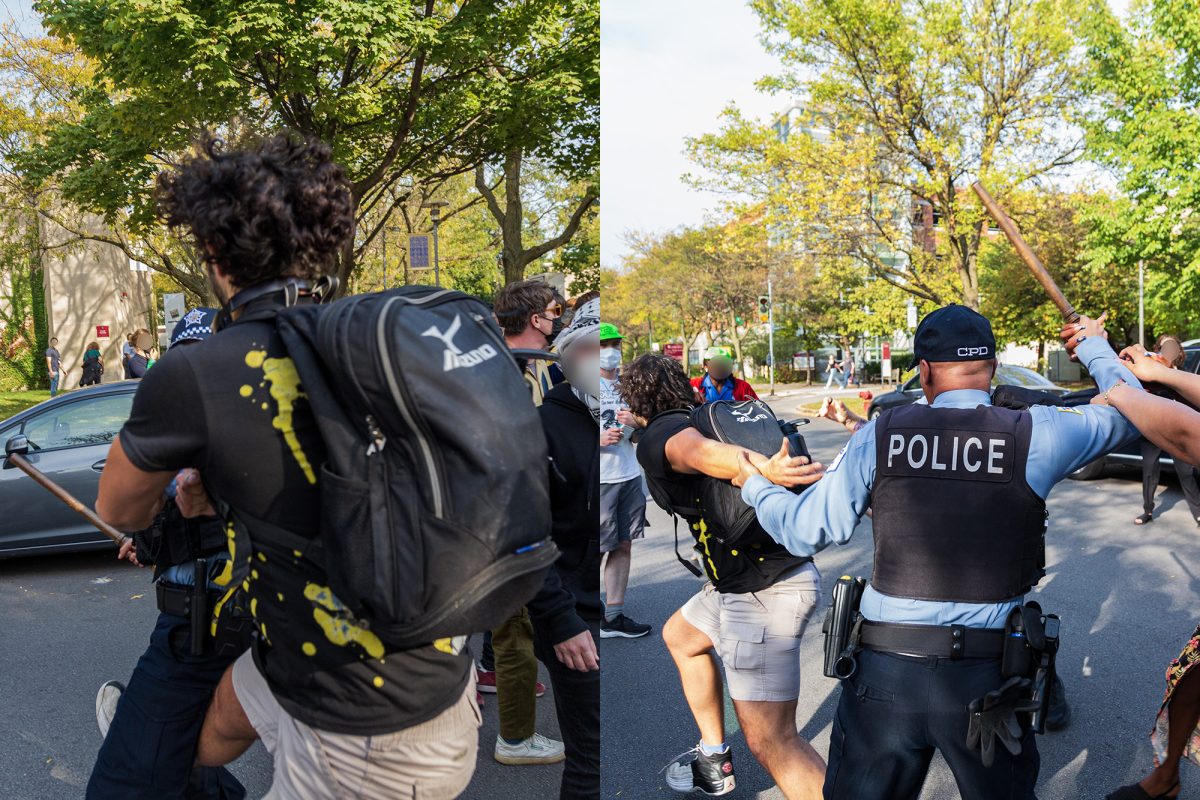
610	358
584	374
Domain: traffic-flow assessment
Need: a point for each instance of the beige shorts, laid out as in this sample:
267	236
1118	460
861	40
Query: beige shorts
757	634
431	761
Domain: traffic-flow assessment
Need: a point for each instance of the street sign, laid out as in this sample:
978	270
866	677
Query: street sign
418	251
802	361
174	307
101	331
674	350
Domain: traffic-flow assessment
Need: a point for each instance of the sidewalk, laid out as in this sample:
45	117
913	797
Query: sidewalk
817	390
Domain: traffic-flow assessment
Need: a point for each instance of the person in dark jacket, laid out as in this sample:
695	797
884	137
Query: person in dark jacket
567	611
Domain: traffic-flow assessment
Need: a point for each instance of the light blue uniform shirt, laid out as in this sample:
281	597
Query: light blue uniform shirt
1062	441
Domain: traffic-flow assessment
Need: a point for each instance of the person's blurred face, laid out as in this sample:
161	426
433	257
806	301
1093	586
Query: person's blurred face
720	368
581	364
1170	351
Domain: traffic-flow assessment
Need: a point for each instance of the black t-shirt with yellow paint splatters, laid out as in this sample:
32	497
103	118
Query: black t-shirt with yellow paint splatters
756	562
233	408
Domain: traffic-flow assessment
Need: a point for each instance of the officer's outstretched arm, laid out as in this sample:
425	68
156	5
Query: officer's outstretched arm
825	513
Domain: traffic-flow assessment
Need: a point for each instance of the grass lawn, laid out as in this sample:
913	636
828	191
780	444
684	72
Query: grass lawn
14	402
854	403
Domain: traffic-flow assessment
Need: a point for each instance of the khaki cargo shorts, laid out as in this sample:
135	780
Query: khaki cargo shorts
757	634
430	761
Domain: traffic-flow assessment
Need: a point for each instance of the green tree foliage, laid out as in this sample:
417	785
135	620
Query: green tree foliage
407	94
1146	126
904	103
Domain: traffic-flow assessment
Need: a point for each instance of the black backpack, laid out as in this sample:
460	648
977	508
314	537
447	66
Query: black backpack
748	424
434	495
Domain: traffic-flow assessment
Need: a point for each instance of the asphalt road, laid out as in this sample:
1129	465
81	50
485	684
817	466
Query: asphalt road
1127	597
69	623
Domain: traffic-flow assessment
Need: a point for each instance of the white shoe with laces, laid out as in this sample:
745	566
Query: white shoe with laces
106	704
537	749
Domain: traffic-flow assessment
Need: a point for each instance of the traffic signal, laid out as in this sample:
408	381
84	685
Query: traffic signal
764	304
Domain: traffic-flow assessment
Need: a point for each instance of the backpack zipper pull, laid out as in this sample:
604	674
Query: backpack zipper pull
378	440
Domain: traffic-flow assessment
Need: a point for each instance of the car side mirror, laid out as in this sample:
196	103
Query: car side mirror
17	444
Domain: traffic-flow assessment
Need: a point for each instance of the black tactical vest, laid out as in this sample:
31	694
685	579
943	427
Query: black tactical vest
954	518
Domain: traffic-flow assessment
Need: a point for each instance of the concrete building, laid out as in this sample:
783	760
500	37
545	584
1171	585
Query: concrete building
93	292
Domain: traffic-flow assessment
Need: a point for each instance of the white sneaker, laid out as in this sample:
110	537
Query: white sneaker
537	749
106	705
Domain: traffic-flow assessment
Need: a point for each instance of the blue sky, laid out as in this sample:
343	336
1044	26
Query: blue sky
667	69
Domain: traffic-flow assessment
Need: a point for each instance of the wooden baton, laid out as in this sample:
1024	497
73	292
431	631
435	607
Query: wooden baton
23	464
1026	253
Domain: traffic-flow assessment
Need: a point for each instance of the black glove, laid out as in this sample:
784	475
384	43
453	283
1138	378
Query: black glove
994	716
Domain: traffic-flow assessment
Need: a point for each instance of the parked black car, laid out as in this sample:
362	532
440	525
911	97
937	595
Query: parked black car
68	437
1006	374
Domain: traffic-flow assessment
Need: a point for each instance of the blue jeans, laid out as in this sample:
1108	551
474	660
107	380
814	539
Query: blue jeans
897	710
150	748
54	384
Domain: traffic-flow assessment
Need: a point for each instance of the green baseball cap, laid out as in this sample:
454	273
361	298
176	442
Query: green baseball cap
717	352
609	331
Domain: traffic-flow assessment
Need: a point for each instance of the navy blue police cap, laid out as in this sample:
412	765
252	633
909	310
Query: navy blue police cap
195	326
953	333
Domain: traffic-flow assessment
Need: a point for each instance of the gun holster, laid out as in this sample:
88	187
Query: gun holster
843	627
1030	651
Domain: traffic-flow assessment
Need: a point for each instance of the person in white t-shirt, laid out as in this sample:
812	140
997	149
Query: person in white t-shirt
622	500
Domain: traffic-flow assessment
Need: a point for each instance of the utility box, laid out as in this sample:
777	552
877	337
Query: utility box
1062	369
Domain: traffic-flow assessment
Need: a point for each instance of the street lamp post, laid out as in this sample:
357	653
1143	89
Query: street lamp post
1141	303
435	214
771	328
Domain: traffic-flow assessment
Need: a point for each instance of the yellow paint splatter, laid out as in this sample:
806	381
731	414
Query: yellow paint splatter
225	577
297	553
378	681
262	556
264	406
309	648
254	607
281	374
452	646
246	390
254	574
280	596
340	626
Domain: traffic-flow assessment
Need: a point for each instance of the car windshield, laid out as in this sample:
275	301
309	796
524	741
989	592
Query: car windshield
1005	374
1020	376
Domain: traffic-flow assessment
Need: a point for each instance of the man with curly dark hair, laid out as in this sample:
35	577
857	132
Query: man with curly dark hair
753	610
341	713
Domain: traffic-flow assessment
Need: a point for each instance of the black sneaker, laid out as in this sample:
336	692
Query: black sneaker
624	627
1059	713
710	775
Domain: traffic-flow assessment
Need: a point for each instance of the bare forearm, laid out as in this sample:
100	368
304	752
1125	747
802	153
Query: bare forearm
129	497
1185	384
720	460
1172	426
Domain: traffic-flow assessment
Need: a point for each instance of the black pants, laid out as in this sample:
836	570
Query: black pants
577	703
151	745
897	710
1151	471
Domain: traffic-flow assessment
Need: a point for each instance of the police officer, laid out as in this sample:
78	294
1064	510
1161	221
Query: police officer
151	727
957	489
